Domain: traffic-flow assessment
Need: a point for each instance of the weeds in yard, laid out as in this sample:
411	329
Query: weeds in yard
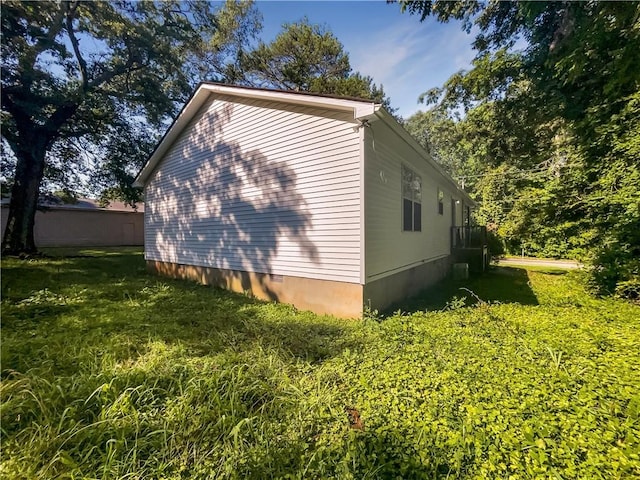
108	372
556	357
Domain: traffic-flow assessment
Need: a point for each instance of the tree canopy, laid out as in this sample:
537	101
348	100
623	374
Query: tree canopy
75	73
308	58
88	86
550	133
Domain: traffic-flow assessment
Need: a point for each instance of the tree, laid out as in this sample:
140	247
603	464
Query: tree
72	70
499	148
580	75
308	58
129	146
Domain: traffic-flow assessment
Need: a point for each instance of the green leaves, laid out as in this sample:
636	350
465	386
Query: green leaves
300	54
123	374
307	57
73	72
554	107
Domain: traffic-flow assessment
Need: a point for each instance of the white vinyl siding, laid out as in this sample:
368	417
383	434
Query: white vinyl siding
259	186
388	248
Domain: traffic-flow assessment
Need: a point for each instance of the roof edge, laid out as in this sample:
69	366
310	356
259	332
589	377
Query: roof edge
360	108
390	120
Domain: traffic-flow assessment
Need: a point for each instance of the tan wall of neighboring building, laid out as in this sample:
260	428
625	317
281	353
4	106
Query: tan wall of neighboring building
59	227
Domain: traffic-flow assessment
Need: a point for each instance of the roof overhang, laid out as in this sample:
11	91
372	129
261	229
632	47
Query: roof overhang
382	115
361	109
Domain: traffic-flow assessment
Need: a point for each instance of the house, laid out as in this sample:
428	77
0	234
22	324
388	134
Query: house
84	223
322	202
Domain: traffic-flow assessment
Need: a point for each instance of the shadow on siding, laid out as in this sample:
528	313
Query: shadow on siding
214	204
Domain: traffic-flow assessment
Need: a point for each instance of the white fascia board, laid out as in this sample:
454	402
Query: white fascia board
178	125
387	118
360	109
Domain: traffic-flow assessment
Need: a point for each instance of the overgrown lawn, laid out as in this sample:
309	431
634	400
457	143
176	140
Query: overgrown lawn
108	372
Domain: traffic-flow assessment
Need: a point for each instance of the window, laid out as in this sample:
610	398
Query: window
440	202
411	201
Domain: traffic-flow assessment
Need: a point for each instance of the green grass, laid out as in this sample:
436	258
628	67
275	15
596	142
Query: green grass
108	372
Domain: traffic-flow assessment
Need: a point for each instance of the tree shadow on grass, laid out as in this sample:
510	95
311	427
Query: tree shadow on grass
551	271
111	302
499	284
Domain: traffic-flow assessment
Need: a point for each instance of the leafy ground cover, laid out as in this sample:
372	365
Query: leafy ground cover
109	372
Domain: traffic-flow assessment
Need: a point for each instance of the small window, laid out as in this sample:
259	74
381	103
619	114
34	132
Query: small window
411	201
440	202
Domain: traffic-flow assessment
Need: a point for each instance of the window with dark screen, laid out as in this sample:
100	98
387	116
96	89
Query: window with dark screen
411	200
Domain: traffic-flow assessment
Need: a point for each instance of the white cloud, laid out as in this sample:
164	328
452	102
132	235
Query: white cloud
406	56
384	51
409	58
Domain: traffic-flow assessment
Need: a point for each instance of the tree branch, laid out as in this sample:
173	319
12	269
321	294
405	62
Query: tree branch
107	75
58	118
46	40
18	113
71	10
43	42
55	27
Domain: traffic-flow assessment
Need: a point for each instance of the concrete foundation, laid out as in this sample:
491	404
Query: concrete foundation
319	296
382	293
341	299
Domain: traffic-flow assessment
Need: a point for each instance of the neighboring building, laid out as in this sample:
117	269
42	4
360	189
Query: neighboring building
326	203
85	224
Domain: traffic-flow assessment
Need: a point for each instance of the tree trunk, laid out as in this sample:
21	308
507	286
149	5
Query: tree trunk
18	236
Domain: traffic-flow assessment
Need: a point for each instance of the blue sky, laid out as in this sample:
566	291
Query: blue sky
406	56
